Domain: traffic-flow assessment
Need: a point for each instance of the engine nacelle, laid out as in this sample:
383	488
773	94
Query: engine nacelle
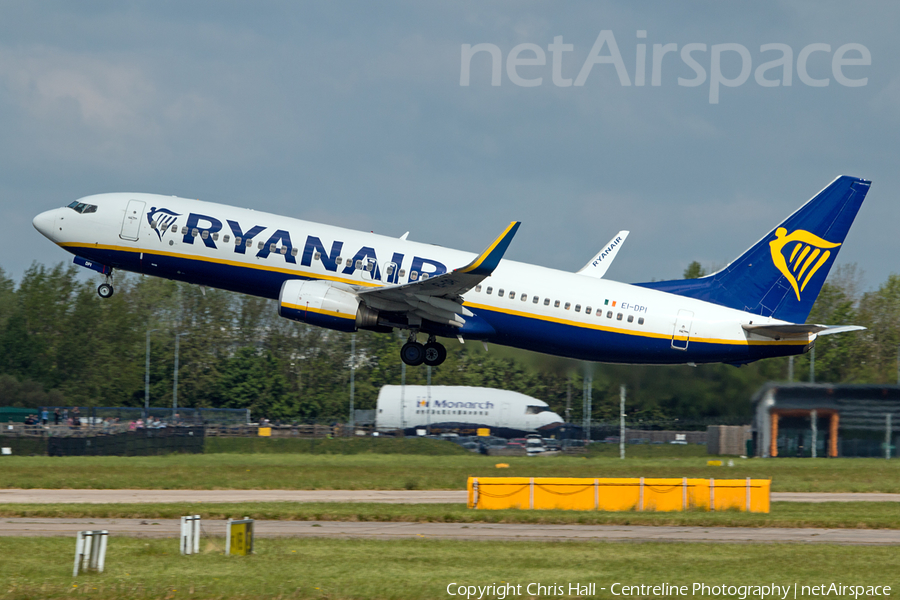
323	304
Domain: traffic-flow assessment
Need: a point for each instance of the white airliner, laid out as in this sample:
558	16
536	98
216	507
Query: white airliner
461	408
754	308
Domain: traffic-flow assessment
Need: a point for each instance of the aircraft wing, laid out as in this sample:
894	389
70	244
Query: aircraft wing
600	263
439	298
789	330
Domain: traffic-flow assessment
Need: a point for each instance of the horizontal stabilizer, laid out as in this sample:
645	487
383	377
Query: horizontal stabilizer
790	330
600	263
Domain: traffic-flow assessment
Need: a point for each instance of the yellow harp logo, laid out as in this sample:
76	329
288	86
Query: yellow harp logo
807	251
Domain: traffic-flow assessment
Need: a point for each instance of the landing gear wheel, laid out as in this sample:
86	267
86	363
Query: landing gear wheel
435	354
105	290
412	353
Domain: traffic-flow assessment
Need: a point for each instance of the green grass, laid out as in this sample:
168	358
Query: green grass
420	569
359	445
854	515
381	471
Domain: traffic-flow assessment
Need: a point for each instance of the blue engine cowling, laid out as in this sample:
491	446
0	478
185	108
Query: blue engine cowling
323	304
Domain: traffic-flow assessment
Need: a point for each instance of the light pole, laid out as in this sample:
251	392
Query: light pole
175	385
352	383
147	377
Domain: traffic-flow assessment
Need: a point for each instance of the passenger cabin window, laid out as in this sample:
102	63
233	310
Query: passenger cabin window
194	232
619	317
215	237
316	256
226	238
500	292
477	288
489	290
205	235
283	250
259	245
248	242
338	260
294	251
402	272
568	305
413	275
609	315
587	310
238	240
512	295
272	248
546	301
174	228
425	276
535	300
359	264
577	308
524	297
630	318
184	230
640	320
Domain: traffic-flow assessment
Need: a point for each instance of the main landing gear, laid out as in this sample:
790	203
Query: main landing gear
106	290
414	354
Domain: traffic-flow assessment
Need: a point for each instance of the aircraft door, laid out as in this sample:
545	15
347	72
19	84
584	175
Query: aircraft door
681	335
390	273
369	269
504	415
131	224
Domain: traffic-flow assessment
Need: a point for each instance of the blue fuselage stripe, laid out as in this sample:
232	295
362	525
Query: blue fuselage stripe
510	330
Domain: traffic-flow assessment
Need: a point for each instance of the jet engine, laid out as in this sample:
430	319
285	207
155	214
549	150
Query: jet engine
323	304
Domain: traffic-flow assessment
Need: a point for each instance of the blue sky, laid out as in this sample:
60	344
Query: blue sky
352	113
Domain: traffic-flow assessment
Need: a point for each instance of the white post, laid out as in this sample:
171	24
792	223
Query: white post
101	553
196	534
228	538
475	492
622	422
79	552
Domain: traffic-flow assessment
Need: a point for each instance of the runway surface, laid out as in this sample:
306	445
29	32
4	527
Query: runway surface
17	496
169	528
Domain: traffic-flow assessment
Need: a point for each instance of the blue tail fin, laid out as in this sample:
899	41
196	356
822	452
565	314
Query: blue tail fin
781	275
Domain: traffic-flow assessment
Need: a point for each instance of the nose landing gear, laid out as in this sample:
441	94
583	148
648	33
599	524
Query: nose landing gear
106	290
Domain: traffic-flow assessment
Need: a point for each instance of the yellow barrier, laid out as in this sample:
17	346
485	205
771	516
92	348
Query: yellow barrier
639	493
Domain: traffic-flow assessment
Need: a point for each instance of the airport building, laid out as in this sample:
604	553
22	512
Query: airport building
802	419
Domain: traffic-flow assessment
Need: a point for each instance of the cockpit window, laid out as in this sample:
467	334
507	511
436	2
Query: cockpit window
82	208
533	410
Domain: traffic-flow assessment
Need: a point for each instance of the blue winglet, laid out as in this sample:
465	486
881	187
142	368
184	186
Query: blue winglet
488	260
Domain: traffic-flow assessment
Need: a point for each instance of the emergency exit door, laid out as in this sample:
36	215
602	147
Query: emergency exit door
681	335
131	224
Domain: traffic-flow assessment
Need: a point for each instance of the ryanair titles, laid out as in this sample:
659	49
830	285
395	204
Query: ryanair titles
265	242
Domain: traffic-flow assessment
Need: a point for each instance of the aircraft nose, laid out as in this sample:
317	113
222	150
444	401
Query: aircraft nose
45	222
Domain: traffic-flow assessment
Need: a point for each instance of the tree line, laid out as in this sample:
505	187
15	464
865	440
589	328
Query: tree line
61	345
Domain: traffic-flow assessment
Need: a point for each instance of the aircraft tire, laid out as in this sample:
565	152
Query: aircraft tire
105	290
435	354
412	353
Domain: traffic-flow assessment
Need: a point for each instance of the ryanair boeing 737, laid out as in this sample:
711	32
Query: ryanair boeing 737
754	308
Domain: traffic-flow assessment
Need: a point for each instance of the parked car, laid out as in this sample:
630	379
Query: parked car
534	445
